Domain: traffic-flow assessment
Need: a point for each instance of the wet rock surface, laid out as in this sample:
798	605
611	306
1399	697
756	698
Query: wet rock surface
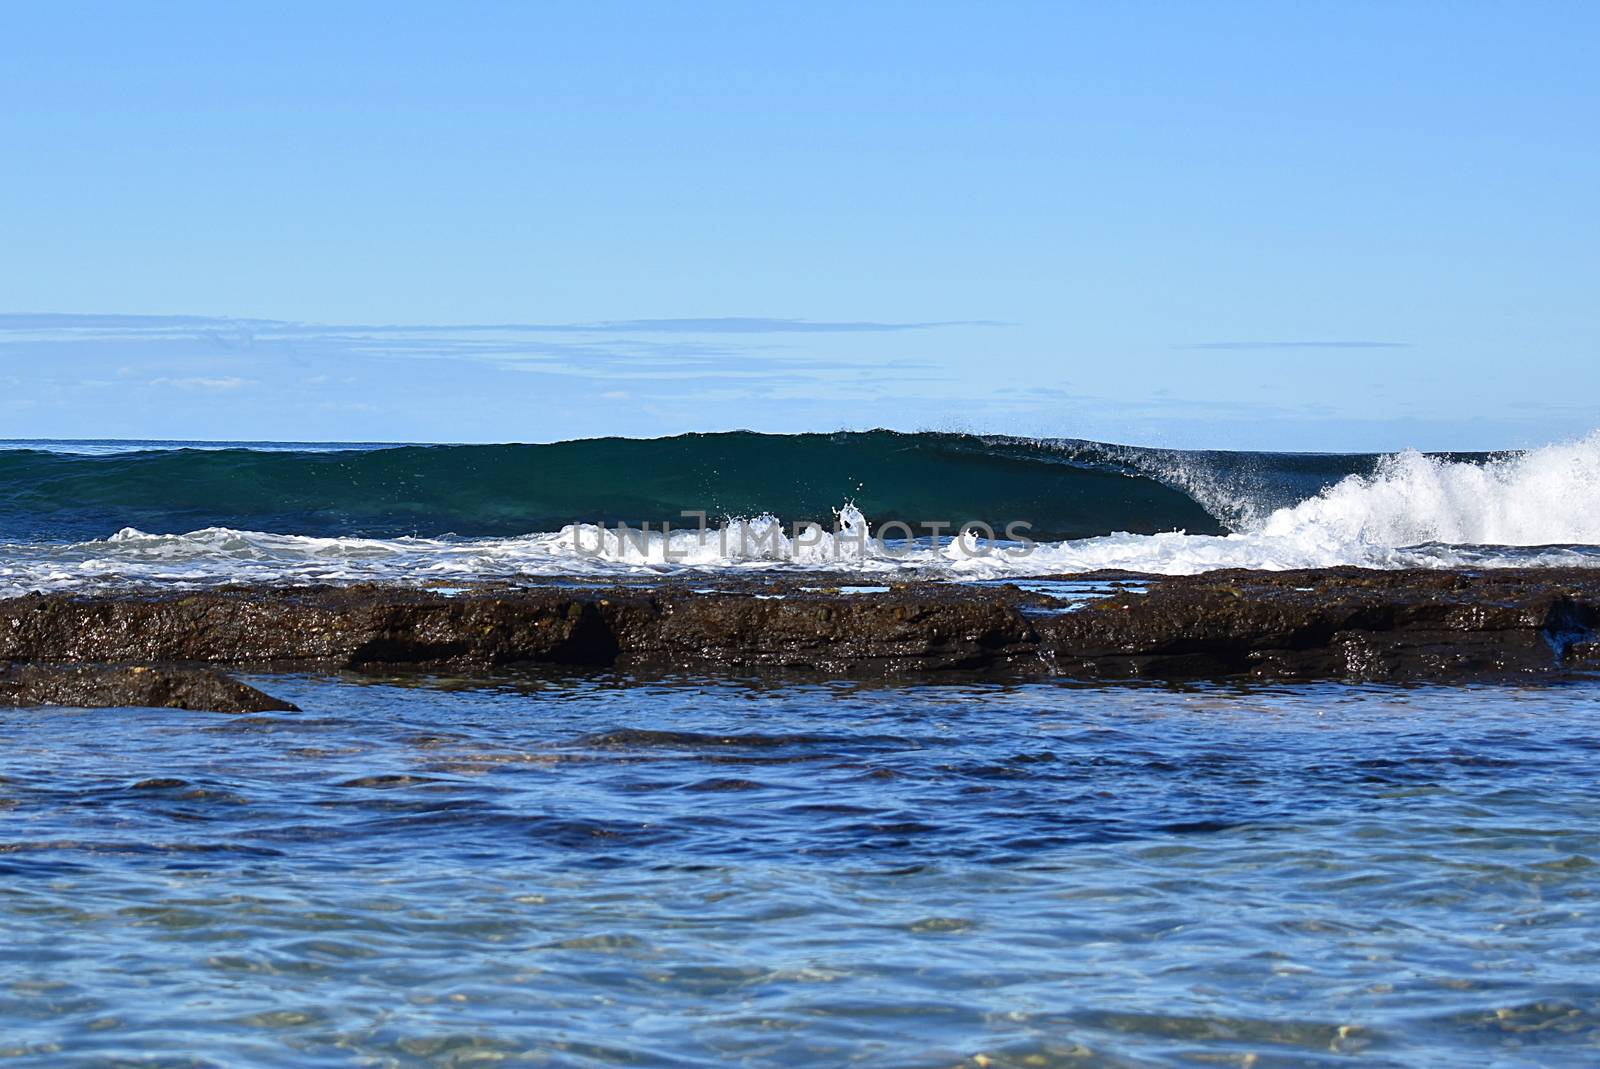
1320	624
1340	623
100	687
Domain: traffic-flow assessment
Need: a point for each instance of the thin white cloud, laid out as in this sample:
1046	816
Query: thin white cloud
227	328
200	383
1252	345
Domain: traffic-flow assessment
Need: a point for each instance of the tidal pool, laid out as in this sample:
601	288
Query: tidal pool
601	870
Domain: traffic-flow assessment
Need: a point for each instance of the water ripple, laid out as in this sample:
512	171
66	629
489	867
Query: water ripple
588	870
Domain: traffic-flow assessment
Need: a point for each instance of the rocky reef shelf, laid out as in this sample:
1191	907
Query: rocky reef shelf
1341	623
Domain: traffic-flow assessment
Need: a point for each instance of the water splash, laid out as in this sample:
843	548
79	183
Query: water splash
1548	496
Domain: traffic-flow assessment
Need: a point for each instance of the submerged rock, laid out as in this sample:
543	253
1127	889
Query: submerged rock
95	687
1340	623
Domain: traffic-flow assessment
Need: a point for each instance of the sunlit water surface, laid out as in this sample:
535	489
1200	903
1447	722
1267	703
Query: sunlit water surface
601	871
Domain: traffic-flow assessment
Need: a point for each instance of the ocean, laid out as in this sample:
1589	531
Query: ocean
75	515
596	867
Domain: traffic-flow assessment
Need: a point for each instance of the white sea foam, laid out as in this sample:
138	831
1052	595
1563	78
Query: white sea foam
1527	509
1545	497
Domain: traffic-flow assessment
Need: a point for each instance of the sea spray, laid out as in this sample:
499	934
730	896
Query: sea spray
1548	496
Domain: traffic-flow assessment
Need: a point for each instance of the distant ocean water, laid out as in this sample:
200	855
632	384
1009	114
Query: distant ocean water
83	514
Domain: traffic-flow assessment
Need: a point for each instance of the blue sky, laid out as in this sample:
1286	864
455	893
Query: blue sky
1296	226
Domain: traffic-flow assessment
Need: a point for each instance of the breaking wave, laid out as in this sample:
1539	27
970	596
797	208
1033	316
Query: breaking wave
1092	507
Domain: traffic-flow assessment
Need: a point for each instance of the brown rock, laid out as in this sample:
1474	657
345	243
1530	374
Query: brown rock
96	687
1328	623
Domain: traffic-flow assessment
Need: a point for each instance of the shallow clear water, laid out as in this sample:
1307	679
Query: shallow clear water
601	870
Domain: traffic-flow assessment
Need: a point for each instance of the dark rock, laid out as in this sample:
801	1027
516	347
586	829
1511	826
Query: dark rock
1337	623
94	687
1329	623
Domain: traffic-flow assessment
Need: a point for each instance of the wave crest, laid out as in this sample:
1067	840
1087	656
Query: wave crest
1548	496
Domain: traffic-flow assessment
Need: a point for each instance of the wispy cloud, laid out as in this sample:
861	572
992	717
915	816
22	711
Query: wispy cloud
1246	345
747	325
231	382
48	321
217	376
268	328
223	353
